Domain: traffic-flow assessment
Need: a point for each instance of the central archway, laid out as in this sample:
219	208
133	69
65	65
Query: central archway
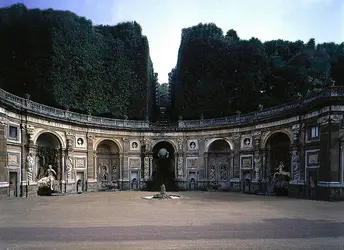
163	166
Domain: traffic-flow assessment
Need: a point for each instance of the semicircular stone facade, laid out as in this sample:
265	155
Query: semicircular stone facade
303	139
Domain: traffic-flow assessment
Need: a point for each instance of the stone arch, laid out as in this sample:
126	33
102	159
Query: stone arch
117	143
173	143
164	168
49	152
108	167
278	160
57	135
270	134
218	160
211	141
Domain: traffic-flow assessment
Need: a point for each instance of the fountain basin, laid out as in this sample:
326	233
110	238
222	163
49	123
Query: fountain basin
160	197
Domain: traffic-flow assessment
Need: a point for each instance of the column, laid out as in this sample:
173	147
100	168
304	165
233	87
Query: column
91	175
206	175
146	170
3	156
236	165
295	155
150	166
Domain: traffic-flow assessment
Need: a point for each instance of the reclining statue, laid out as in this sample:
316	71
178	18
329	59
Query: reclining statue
49	180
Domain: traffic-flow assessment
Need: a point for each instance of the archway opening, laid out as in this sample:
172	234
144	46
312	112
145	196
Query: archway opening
108	164
163	166
49	152
278	150
219	164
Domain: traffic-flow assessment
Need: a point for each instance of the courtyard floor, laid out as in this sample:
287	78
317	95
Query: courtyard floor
200	220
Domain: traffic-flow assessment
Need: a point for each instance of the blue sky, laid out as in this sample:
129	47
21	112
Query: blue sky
163	20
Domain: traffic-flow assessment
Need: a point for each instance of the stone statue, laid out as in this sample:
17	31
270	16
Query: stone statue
180	144
114	173
223	173
30	161
212	173
105	173
146	168
180	167
257	164
69	167
163	190
295	164
280	170
49	180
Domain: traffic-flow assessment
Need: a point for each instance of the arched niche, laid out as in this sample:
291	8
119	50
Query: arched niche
218	162
108	167
277	149
49	152
163	171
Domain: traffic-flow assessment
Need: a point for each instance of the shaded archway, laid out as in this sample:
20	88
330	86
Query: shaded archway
218	163
163	166
108	164
49	152
278	154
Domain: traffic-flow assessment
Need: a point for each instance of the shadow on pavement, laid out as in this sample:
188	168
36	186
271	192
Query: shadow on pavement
267	229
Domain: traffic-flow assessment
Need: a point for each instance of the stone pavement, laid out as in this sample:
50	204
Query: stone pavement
200	220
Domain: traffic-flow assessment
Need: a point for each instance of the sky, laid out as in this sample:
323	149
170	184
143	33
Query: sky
163	20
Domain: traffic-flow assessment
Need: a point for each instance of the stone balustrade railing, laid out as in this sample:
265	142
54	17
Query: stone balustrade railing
237	120
44	110
265	114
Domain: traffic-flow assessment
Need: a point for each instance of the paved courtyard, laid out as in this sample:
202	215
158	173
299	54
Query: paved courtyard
200	220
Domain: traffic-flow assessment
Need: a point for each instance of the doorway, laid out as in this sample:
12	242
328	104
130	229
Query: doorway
80	182
13	187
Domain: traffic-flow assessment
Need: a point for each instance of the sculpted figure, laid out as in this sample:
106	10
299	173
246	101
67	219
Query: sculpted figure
280	170
69	167
49	180
30	161
257	165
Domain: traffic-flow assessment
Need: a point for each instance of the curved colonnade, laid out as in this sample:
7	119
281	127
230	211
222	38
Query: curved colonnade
238	153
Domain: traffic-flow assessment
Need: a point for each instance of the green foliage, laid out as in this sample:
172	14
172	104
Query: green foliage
218	75
62	60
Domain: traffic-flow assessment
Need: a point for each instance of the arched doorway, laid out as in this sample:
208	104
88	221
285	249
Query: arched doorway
278	158
163	166
49	152
108	164
219	152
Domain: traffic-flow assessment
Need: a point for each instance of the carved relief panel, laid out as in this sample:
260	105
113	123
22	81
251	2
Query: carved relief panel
312	158
13	159
246	161
192	162
134	162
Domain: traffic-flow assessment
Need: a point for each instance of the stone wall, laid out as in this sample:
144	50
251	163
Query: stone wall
244	165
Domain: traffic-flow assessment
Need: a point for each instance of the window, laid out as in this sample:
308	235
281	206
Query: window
313	133
13	132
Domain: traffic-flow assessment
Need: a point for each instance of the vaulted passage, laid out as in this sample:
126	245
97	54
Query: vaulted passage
163	166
